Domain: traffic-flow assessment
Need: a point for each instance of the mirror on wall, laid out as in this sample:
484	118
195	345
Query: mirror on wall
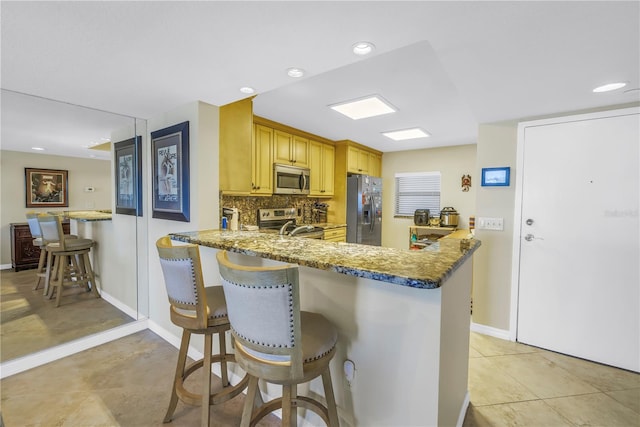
77	140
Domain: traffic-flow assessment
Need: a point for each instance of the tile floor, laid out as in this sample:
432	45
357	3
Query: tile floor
512	384
30	322
127	383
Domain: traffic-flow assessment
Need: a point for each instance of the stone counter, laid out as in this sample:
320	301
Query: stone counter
88	215
416	269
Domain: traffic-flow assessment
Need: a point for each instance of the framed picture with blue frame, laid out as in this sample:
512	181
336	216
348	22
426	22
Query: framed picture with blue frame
496	177
170	172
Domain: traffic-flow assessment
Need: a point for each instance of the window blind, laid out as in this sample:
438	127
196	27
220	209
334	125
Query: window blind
417	190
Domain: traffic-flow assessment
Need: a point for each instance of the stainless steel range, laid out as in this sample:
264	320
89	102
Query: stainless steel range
283	221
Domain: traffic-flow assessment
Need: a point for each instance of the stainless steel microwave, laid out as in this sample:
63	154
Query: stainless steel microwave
290	179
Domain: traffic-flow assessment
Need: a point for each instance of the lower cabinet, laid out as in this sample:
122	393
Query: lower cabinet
336	234
23	254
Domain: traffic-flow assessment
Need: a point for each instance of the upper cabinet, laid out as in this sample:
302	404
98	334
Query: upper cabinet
246	151
291	149
262	163
359	159
236	147
375	164
322	166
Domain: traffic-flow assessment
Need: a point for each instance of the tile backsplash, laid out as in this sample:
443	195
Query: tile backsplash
248	206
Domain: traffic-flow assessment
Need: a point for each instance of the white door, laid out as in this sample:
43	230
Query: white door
579	239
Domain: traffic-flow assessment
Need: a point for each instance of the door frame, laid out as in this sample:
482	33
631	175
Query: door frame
517	214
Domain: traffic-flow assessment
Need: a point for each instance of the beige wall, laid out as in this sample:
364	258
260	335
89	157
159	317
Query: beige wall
452	162
82	173
204	207
492	262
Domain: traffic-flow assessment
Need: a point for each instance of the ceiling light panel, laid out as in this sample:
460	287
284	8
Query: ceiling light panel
404	134
363	108
609	87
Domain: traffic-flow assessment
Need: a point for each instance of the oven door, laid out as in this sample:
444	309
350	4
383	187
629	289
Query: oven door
290	180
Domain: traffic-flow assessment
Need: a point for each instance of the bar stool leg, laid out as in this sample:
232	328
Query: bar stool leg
223	362
247	410
41	264
90	275
47	273
330	398
206	380
182	361
63	260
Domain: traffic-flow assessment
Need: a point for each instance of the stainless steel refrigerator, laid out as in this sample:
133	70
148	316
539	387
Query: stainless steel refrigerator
364	210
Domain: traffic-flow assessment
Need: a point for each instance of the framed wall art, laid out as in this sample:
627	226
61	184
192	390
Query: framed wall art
496	177
46	188
170	172
128	173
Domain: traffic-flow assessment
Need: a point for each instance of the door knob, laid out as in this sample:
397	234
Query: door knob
529	221
529	237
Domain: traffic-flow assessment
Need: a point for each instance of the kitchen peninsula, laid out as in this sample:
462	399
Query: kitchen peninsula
403	319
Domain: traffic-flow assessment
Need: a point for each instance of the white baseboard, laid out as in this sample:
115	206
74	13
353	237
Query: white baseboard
491	331
5	266
463	409
43	357
119	305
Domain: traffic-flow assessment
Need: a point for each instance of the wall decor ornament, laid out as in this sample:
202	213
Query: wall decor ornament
170	172
466	182
128	173
46	188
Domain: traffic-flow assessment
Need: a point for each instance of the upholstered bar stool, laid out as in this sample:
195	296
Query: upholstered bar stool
36	233
71	266
275	341
197	310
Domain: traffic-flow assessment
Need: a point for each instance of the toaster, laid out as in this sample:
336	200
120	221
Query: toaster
421	217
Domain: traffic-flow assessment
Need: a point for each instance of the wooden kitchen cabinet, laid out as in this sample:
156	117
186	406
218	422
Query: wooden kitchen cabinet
357	160
23	254
262	176
236	147
246	151
336	234
290	149
375	164
322	169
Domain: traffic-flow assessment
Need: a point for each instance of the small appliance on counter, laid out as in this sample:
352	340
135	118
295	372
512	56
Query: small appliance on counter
449	217
421	217
232	215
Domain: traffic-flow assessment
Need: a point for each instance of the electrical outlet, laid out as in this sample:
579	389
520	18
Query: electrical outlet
483	223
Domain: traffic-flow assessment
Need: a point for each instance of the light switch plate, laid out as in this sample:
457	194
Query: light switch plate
484	223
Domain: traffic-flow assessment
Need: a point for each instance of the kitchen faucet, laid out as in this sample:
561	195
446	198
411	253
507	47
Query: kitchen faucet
301	228
284	227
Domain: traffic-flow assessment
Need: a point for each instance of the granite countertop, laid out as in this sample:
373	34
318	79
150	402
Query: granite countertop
427	269
87	216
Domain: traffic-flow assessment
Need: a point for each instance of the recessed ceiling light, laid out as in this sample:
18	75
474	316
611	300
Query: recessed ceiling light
401	135
363	48
37	148
362	108
609	87
295	72
247	89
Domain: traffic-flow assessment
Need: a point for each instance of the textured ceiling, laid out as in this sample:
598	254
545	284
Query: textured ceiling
447	66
